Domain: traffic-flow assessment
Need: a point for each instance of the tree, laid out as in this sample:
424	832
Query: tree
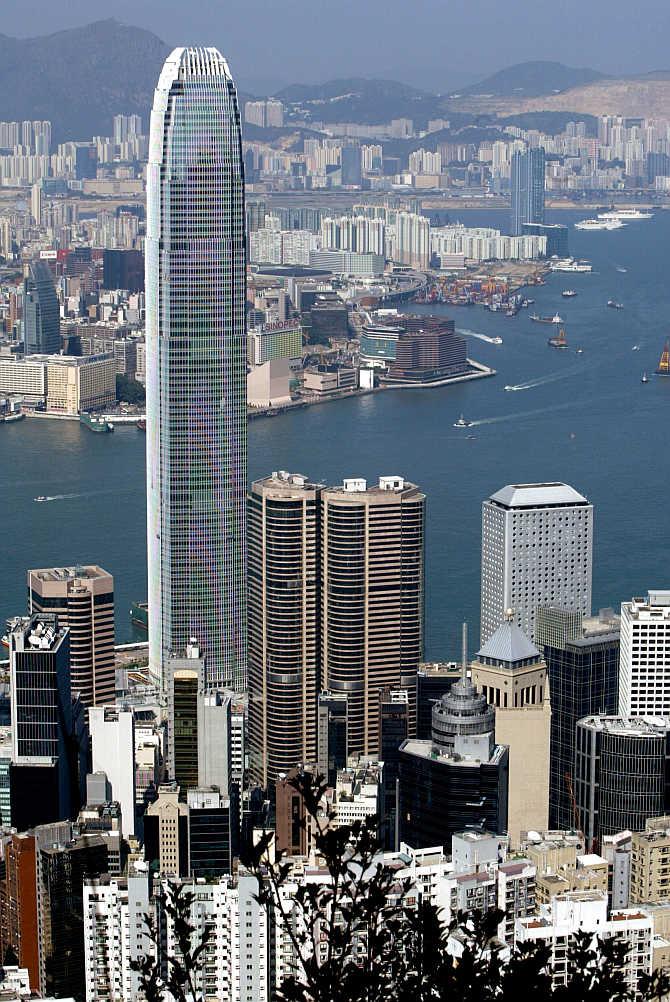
129	390
362	935
176	976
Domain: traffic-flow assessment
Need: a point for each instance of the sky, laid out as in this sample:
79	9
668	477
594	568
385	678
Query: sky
436	44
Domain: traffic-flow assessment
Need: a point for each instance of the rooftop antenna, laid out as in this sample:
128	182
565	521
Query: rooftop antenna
464	653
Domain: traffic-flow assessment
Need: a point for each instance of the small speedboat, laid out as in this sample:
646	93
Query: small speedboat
645	378
462	423
41	497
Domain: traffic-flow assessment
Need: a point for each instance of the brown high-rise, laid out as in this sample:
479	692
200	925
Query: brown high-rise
283	607
18	898
83	600
372	599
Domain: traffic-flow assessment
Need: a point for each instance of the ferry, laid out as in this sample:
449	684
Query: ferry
569	264
624	215
462	423
556	319
635	347
496	340
96	424
613	305
559	341
139	615
664	361
568	293
599	224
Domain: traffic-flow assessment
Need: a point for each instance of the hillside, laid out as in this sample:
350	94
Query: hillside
80	78
533	79
360	100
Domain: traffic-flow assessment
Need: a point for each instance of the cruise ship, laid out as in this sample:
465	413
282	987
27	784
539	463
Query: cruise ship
571	265
624	215
599	224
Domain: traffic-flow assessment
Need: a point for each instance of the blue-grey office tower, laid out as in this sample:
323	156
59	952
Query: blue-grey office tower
527	185
41	312
196	369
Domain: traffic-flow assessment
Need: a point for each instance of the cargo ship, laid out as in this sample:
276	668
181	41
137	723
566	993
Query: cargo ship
556	319
96	424
664	361
139	615
559	341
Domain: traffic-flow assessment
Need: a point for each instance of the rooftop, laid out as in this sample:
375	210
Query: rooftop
537	496
509	644
628	726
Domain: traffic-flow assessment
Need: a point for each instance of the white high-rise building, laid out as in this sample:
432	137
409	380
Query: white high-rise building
537	544
113	752
644	667
196	369
115	934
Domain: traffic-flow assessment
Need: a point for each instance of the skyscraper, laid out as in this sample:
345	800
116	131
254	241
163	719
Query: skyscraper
284	617
196	368
372	599
41	312
582	658
83	600
644	677
527	183
537	542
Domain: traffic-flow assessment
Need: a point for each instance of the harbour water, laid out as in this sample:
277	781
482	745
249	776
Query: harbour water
583	418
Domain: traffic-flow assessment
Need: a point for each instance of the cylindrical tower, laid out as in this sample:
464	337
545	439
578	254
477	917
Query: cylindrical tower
372	599
196	368
284	614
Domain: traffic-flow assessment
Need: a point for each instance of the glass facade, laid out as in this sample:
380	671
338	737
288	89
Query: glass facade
196	368
527	184
41	312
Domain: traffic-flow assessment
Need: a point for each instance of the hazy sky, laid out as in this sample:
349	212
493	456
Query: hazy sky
432	43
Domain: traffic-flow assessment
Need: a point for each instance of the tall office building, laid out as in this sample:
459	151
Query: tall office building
537	542
622	773
83	600
527	184
284	522
372	599
511	674
582	658
43	770
196	368
644	676
113	752
41	312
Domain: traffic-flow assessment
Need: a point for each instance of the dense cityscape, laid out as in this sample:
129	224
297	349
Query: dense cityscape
215	261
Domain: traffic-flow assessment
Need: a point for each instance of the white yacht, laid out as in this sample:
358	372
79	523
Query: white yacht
599	224
624	215
569	264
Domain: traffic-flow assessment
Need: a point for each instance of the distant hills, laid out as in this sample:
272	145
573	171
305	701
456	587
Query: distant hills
533	79
80	78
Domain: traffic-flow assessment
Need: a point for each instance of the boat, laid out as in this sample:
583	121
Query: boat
645	378
4	640
579	351
559	341
635	347
569	264
556	319
568	293
624	215
613	305
97	424
622	271
41	497
599	224
141	424
496	340
664	361
139	615
13	416
462	423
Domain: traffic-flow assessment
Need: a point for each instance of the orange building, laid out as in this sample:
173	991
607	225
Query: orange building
18	893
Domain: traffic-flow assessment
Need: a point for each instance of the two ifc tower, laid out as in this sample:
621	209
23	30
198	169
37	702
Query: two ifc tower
336	596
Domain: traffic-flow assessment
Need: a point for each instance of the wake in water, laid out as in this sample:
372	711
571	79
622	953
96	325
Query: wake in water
57	497
464	332
551	377
517	415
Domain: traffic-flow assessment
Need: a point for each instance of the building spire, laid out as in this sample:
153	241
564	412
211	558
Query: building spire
464	653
